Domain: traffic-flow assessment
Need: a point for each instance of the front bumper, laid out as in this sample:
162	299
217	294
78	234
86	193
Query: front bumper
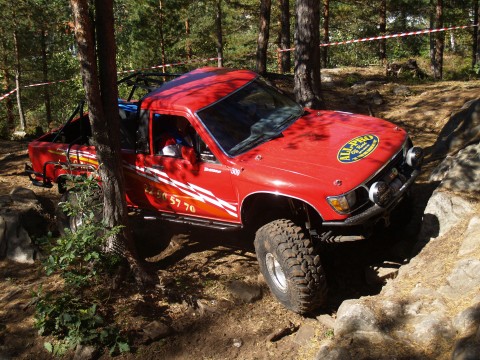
375	213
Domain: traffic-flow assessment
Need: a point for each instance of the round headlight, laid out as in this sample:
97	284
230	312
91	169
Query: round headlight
414	156
380	193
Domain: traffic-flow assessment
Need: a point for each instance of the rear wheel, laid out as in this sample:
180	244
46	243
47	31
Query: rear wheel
291	267
72	221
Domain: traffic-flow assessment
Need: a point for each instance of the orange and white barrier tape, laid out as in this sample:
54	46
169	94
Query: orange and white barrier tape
410	33
7	94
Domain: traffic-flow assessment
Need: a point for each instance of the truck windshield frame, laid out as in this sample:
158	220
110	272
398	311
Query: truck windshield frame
248	117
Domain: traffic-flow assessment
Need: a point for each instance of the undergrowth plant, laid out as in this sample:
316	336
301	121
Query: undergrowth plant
77	313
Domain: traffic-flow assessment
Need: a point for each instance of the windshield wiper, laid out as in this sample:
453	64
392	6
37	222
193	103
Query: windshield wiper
248	144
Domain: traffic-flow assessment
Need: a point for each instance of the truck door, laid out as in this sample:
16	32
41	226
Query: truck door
182	182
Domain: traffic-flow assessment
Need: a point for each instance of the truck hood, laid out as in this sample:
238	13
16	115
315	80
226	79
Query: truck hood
339	150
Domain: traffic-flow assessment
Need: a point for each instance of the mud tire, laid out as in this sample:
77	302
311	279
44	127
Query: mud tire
65	221
290	266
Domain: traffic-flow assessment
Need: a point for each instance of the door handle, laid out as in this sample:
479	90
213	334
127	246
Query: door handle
158	167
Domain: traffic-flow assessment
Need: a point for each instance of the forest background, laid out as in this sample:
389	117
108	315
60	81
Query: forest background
37	43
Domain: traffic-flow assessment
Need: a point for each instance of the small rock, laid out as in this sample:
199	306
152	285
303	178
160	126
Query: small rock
85	352
305	334
370	85
468	320
401	90
330	351
23	195
352	316
326	320
237	343
244	292
281	333
156	330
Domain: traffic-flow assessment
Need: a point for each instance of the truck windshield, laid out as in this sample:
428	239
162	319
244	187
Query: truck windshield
249	117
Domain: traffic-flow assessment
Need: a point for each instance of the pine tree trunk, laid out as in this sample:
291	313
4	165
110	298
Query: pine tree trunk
326	32
439	42
46	92
263	36
101	92
218	28
18	70
6	86
284	36
307	54
476	37
432	35
162	38
188	44
383	30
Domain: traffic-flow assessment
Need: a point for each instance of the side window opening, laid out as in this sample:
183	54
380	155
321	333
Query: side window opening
170	134
128	125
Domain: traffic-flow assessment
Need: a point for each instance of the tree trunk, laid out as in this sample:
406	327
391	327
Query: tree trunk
18	70
476	37
6	85
284	36
218	28
46	92
326	32
307	54
188	44
432	35
101	93
383	30
162	38
439	42
263	36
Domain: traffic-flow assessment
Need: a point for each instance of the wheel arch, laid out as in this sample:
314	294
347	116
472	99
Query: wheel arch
275	205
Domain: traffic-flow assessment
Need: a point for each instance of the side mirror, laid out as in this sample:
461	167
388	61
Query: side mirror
188	154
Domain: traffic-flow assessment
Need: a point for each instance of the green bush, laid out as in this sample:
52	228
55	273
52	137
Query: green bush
75	315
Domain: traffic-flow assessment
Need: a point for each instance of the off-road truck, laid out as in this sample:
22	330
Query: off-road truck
222	149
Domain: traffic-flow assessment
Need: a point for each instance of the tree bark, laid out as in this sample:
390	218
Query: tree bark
46	92
326	32
219	32
439	42
162	38
432	35
383	30
284	36
188	44
6	86
263	36
101	93
307	54
476	37
18	72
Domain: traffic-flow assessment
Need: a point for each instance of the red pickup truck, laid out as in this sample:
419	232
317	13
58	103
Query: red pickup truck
221	148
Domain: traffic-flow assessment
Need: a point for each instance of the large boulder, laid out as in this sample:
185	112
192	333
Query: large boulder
461	130
21	215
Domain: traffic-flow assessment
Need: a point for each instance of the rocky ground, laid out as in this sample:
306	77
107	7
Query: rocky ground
213	305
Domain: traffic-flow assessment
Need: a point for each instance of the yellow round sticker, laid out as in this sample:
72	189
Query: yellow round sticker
358	148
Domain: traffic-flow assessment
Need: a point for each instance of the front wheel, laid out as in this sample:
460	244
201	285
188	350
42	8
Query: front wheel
290	266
